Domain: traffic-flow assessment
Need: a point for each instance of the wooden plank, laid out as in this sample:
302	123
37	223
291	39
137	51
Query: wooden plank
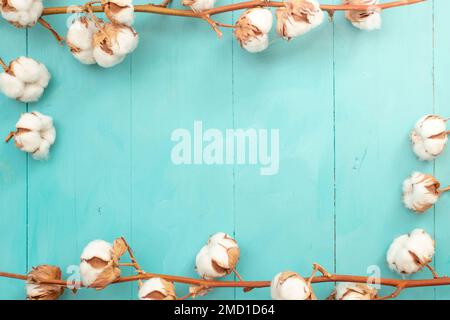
383	85
285	221
83	192
13	188
181	73
441	106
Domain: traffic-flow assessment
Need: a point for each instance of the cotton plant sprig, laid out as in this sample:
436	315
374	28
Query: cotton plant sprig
34	134
24	79
101	264
429	137
421	191
91	40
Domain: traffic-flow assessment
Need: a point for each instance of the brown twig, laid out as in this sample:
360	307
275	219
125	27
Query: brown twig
48	26
9	136
134	262
444	189
3	64
435	275
399	284
159	9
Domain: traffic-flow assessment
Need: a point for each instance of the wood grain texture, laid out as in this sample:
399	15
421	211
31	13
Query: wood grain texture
13	177
343	100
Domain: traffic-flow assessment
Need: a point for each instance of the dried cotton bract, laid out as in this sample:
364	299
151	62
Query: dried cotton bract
21	13
25	80
365	20
252	29
119	11
289	285
420	192
199	5
157	289
35	134
409	253
36	290
429	137
218	257
298	17
99	262
354	291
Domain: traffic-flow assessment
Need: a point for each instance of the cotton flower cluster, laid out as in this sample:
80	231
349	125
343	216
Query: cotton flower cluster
420	192
298	17
99	262
252	29
25	80
35	134
157	289
353	291
289	285
218	257
106	43
38	291
21	13
365	20
409	253
199	5
429	137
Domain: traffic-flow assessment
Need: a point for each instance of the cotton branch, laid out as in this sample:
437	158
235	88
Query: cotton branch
163	10
398	284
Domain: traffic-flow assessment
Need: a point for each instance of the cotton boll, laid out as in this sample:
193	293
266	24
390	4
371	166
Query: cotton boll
119	11
420	192
22	13
112	43
252	29
199	5
289	285
409	253
24	80
298	17
99	262
11	86
35	134
37	291
365	20
218	257
354	291
429	137
157	289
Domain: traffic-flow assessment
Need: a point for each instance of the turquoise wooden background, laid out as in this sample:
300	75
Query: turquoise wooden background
344	101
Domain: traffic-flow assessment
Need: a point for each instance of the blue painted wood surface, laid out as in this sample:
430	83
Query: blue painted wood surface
344	101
